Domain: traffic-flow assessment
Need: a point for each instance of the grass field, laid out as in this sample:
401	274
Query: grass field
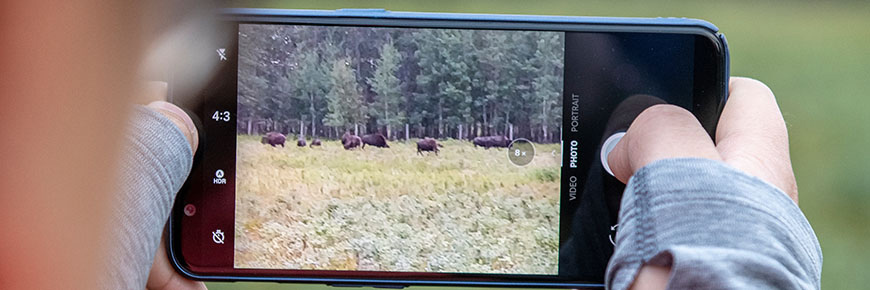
813	54
390	209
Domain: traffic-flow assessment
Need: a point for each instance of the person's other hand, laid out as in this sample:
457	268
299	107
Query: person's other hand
162	275
153	94
751	136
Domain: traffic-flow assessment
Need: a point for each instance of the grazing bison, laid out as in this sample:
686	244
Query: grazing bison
345	137
315	142
350	141
353	141
376	140
491	141
428	144
301	141
274	138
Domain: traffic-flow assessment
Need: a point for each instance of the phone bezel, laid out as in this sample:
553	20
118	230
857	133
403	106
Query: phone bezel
379	18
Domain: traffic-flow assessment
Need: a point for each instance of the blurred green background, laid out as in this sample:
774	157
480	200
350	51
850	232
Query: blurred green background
814	55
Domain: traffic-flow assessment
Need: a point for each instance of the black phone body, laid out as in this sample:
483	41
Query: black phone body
451	149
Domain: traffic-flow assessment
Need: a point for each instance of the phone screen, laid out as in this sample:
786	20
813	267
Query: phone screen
391	204
419	152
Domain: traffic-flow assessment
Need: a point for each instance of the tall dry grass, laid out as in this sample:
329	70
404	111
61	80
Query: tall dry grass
390	209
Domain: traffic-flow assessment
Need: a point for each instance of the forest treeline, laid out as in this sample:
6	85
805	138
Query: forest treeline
324	80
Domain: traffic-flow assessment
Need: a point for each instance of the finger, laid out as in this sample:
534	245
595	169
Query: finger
180	283
752	135
651	277
660	132
163	277
180	119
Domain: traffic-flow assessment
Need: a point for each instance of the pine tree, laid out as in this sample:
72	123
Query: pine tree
345	105
386	107
310	82
547	84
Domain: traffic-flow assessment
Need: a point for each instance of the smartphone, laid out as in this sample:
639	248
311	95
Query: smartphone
390	149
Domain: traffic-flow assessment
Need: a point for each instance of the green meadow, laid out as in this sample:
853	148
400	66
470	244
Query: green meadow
466	209
813	54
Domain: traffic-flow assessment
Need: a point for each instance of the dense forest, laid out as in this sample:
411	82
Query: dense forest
444	83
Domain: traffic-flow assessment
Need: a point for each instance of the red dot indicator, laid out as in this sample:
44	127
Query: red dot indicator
189	210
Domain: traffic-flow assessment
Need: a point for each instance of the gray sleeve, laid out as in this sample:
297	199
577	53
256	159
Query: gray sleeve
155	162
717	227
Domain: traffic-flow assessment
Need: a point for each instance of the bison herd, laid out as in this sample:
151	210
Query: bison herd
491	141
350	141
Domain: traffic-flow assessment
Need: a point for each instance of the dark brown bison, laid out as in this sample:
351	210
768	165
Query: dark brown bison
491	141
315	142
350	141
376	140
274	138
345	137
428	144
301	141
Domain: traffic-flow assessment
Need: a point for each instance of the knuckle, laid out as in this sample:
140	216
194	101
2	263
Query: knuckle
664	113
751	84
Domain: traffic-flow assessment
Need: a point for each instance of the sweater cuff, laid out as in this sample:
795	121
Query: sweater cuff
694	203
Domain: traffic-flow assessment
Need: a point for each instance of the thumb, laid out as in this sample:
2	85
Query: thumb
163	277
181	120
660	132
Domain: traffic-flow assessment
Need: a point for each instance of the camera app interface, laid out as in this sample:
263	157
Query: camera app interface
398	149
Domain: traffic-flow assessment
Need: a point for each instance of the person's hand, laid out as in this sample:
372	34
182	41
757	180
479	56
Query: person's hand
154	95
751	136
162	276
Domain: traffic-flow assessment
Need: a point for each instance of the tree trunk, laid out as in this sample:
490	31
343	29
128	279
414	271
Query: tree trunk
532	132
511	131
386	117
313	117
485	124
479	130
546	138
440	120
406	132
507	124
460	131
249	124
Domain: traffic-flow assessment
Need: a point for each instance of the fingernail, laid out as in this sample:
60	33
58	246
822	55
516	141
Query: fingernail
608	146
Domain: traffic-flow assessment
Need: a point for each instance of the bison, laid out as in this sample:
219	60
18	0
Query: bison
491	141
315	142
428	144
274	138
376	140
301	141
350	141
345	137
